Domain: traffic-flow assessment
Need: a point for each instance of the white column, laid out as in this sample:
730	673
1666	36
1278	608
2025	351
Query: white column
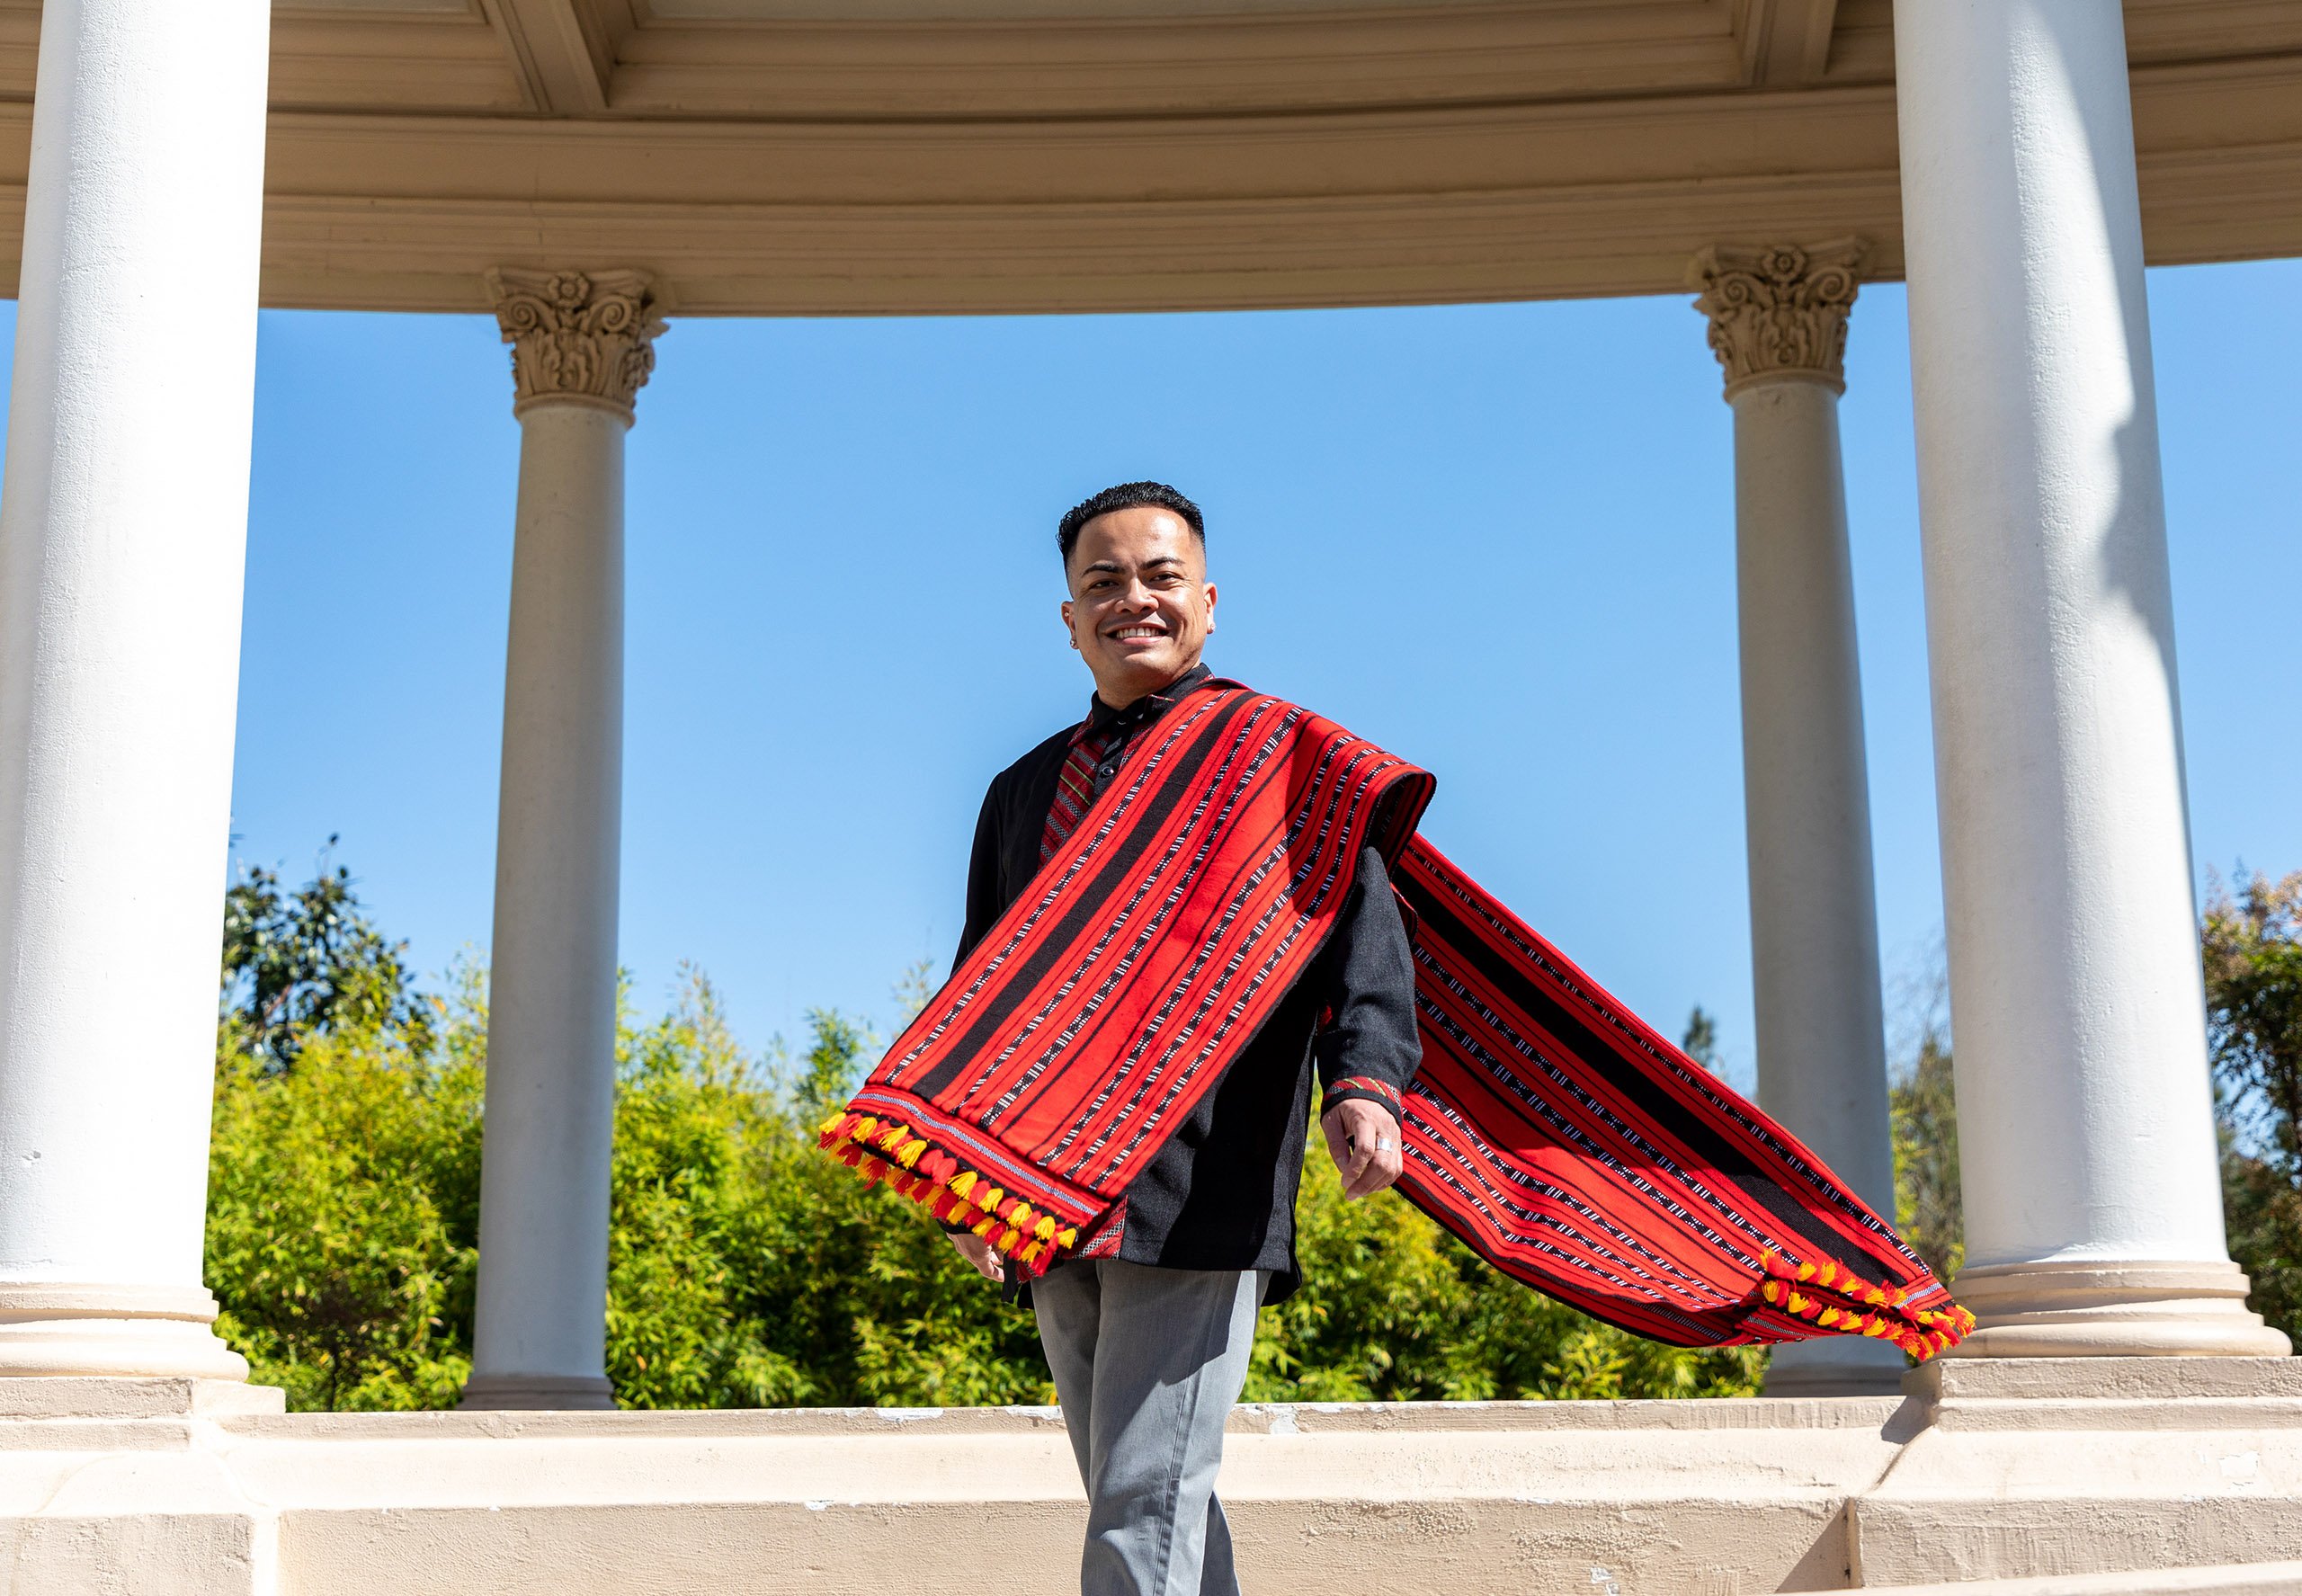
582	346
122	536
1778	324
2092	1210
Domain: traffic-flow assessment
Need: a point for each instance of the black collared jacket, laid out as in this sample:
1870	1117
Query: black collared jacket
1221	1194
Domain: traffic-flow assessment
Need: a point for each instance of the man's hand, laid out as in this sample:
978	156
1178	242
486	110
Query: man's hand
977	1252
1363	1140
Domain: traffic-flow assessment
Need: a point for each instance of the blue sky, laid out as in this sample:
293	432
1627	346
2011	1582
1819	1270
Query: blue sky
1497	539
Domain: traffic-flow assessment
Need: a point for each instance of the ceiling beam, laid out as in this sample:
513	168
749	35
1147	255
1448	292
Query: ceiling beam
564	51
1784	42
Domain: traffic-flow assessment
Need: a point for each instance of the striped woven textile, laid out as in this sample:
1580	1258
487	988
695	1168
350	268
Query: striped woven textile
1562	1138
1075	788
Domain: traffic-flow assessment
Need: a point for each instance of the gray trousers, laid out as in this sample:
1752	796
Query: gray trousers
1148	1363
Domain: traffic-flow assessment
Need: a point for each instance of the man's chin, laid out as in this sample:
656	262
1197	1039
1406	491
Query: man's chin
1149	670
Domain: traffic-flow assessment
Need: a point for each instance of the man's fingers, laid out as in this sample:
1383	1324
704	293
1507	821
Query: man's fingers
1380	1169
1365	1143
977	1252
1374	1178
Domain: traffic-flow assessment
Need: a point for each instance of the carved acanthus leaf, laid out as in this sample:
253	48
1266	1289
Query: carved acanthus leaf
1781	310
582	336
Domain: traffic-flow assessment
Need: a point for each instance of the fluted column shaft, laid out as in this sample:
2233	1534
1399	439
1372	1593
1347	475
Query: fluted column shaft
582	347
122	541
2093	1207
1778	322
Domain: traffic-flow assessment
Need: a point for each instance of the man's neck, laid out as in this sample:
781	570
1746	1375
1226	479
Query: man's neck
1111	694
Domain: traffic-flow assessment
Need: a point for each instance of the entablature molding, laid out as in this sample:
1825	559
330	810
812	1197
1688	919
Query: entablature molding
1401	206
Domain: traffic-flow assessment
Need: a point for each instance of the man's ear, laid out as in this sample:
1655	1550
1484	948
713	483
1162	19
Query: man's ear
1210	606
1067	632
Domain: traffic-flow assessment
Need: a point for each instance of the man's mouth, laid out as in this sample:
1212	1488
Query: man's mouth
1128	634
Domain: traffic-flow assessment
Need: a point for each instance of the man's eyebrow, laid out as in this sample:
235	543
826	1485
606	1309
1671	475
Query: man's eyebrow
1112	565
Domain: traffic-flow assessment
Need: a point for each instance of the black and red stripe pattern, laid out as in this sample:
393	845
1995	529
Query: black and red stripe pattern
1561	1137
1074	788
1383	1092
1579	1151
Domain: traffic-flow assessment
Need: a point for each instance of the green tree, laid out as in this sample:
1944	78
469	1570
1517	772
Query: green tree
296	964
1923	1102
2251	946
343	1216
745	1267
1700	1042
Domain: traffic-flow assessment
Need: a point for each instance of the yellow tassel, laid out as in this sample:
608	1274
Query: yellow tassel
1798	1304
864	1127
1806	1271
988	1201
1771	1290
832	1124
1066	1239
1007	1239
1045	1229
982	1226
963	1183
910	1154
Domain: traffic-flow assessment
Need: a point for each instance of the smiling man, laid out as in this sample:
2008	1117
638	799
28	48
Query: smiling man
1149	1342
1179	911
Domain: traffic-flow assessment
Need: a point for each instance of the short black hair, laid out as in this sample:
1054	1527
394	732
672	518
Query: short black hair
1126	496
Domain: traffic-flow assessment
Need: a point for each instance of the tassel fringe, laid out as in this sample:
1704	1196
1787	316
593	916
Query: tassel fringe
1836	1298
882	1150
1832	1297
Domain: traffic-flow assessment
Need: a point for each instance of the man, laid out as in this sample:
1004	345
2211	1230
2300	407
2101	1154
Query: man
1149	1347
1175	908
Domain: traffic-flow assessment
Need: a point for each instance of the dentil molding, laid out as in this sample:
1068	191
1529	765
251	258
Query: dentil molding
1779	310
581	337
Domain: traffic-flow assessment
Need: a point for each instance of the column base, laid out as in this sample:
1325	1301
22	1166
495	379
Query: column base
2112	1309
119	1331
560	1393
1835	1365
105	1398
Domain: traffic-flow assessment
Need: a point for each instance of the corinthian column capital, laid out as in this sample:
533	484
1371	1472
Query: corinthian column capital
1779	311
577	337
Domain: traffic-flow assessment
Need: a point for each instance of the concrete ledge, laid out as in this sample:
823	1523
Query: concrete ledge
2253	1579
2080	1466
1979	1470
1449	1418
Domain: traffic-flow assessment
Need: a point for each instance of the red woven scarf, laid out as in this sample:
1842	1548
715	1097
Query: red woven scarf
1563	1139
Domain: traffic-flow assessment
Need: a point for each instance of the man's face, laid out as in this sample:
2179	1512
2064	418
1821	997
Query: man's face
1141	605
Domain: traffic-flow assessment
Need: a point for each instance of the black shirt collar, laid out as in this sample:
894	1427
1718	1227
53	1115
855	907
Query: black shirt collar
1150	706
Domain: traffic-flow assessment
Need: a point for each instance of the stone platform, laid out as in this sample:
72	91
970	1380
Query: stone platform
1981	1470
